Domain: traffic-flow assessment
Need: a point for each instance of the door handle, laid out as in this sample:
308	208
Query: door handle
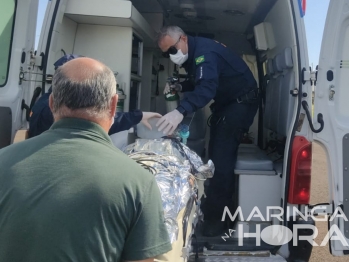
332	92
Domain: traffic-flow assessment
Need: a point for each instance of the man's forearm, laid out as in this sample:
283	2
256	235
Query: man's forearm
124	121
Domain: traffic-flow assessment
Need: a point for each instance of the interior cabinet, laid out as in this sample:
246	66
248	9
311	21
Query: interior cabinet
116	34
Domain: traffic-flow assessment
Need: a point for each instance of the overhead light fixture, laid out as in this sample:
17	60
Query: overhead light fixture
186	4
234	12
189	13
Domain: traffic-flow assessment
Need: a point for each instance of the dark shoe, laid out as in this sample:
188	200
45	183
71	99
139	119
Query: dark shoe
214	228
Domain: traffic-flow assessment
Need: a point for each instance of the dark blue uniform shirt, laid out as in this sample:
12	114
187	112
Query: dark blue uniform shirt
126	120
41	118
214	72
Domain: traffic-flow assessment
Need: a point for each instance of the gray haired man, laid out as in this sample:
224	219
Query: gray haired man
69	194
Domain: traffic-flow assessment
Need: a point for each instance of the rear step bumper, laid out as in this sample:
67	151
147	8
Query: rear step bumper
238	256
215	249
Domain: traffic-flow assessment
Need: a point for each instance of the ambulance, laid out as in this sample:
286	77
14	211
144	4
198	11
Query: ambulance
273	170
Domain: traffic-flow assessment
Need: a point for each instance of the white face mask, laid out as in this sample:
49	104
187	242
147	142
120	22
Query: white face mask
179	58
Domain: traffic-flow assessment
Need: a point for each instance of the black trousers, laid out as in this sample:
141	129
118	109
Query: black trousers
227	129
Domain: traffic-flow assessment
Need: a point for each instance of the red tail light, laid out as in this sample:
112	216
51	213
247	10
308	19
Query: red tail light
299	191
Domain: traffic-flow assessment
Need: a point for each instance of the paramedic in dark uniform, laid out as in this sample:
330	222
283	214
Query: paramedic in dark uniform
214	72
41	118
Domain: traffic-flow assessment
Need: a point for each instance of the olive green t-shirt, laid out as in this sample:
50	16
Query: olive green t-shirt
70	195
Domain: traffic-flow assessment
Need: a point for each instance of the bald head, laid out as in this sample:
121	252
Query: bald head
84	88
81	69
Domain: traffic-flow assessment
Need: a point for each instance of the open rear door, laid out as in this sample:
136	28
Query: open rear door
23	70
17	38
332	101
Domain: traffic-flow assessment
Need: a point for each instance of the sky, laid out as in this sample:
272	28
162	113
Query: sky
314	20
41	15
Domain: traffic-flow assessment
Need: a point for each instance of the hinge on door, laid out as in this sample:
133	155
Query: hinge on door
308	76
35	60
320	209
294	92
21	76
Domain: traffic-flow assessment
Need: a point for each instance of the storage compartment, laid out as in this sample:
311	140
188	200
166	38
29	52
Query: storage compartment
110	13
264	35
135	87
137	55
116	34
257	174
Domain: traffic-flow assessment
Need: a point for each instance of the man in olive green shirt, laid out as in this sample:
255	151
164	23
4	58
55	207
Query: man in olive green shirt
69	194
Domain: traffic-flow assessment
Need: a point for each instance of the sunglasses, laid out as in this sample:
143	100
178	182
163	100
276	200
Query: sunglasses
172	50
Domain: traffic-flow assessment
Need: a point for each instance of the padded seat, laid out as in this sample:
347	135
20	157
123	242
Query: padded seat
256	173
254	161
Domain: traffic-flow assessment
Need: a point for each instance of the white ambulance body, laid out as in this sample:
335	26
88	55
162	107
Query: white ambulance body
273	171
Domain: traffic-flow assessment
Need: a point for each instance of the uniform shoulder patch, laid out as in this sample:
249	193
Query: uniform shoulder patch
200	59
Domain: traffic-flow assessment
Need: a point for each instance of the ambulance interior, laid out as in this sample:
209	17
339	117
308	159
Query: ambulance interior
121	35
